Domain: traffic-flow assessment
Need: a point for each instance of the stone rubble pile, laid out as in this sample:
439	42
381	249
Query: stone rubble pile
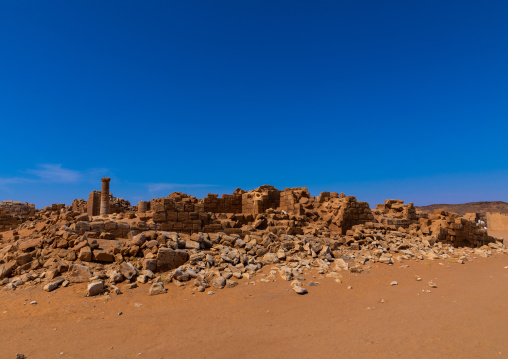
288	232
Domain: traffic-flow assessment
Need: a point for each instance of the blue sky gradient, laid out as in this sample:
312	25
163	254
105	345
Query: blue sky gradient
378	99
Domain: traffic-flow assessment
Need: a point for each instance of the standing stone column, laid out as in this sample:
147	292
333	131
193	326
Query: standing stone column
143	206
105	196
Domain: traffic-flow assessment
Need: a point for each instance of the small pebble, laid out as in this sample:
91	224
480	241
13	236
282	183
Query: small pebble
211	292
394	283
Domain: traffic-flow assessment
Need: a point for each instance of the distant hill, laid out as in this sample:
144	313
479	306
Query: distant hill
472	207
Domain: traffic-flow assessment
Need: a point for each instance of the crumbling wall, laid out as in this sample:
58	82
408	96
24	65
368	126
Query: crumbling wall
79	205
55	207
7	221
229	203
394	213
179	214
93	206
344	212
232	213
497	221
18	209
450	228
118	205
260	200
293	200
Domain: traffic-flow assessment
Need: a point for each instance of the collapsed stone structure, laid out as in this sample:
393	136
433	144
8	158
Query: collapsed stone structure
7	221
18	209
280	212
92	207
217	239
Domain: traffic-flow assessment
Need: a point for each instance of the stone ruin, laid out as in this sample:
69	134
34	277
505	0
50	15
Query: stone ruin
7	221
292	211
13	213
101	202
216	239
18	209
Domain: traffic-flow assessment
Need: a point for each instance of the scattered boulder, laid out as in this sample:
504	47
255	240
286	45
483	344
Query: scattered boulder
79	274
168	259
95	288
157	288
299	290
6	269
128	270
219	282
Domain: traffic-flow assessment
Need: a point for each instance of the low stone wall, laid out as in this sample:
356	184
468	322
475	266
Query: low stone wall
497	221
7	221
18	209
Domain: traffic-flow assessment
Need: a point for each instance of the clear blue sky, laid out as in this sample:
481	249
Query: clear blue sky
378	99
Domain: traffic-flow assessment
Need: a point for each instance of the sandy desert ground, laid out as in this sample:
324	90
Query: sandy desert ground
466	316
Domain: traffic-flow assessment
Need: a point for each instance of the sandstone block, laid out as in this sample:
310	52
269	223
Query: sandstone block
79	274
24	259
157	288
219	282
138	240
6	269
128	270
85	254
150	264
181	276
95	288
168	259
82	227
103	256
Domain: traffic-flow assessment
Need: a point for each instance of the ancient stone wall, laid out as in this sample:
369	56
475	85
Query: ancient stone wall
292	200
94	203
227	204
18	209
395	213
181	214
93	206
260	199
7	221
119	205
79	205
266	207
497	221
453	229
55	207
344	212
